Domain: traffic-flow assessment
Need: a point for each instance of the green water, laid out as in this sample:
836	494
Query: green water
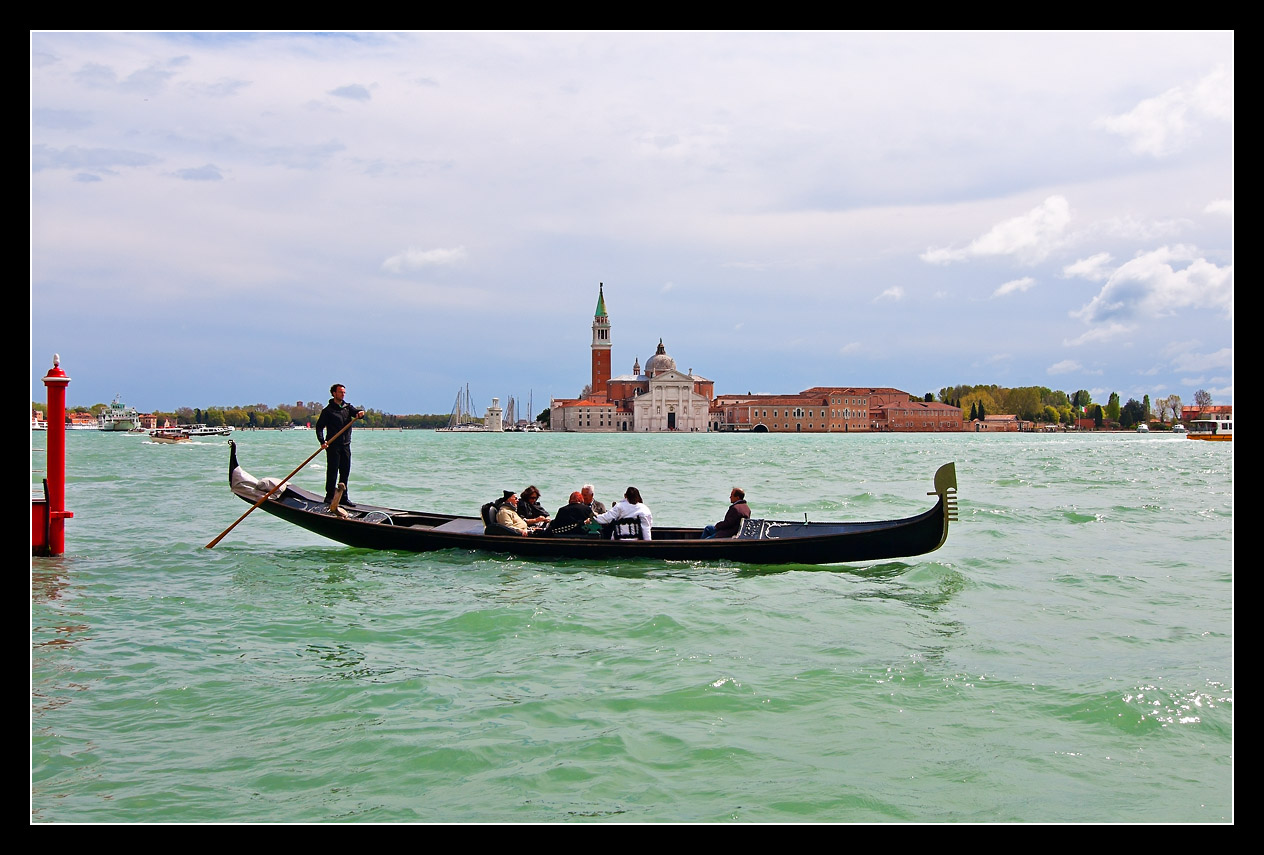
1066	656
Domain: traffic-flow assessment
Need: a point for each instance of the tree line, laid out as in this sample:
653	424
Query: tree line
279	416
1054	406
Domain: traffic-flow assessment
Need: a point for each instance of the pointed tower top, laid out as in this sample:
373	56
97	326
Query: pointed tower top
601	301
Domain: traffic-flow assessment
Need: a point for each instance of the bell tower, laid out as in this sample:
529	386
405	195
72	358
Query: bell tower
600	346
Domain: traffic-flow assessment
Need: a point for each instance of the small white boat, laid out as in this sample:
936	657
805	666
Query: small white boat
207	430
1179	428
1143	428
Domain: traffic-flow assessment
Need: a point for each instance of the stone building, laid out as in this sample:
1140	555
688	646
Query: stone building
660	398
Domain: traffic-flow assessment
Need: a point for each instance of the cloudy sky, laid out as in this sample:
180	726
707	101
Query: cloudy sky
224	218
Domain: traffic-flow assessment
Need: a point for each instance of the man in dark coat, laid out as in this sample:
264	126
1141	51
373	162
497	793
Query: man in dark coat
333	418
732	522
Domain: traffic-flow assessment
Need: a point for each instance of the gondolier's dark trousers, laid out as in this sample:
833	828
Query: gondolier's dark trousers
337	468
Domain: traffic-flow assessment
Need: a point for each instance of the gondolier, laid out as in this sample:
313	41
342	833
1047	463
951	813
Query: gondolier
337	415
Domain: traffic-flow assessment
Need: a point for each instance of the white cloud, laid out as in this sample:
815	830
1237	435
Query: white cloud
850	347
895	292
416	259
1111	332
1222	358
1165	124
1066	366
1151	286
1220	206
667	286
1096	267
1015	286
1030	238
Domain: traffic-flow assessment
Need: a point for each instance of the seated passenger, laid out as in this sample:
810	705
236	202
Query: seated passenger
507	514
570	518
590	499
732	522
631	508
530	509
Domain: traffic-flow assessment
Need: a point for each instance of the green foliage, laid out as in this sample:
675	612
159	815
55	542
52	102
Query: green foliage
1133	413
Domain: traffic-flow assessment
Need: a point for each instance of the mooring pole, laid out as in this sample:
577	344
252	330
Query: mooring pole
56	381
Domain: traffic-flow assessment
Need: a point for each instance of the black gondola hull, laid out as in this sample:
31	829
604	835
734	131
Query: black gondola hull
761	542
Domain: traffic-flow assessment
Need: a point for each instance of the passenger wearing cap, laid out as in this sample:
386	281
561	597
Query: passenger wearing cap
507	514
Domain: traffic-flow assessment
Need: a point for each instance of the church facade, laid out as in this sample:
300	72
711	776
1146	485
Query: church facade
660	398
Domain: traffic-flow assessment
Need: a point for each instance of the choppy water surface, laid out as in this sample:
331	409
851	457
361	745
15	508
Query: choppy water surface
1067	656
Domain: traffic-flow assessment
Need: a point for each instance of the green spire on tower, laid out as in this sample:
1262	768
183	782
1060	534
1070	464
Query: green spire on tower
601	301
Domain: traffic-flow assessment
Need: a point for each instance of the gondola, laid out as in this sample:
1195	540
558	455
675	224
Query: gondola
758	542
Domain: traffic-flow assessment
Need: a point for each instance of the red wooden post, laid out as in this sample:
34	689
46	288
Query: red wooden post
56	381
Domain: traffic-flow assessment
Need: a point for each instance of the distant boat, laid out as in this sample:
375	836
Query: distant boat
1179	428
169	435
118	417
207	430
1142	427
37	422
463	419
1217	428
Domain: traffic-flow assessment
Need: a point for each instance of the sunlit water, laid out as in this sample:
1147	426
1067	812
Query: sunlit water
1066	656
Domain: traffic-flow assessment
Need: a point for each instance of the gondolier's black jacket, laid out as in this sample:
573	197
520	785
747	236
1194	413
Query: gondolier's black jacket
332	419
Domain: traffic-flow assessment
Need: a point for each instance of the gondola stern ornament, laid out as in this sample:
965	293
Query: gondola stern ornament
946	489
243	483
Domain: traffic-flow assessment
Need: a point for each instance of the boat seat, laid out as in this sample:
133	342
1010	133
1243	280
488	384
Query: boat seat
490	526
628	529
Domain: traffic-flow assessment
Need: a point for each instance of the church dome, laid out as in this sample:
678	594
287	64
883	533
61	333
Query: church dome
660	361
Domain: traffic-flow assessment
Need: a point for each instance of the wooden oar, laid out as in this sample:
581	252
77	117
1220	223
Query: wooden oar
329	441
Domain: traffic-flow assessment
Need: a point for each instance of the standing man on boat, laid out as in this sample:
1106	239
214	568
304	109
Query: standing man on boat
337	415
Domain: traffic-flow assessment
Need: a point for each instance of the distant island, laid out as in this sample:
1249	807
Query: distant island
1037	405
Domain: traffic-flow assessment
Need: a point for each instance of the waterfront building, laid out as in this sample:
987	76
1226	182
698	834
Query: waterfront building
831	409
1003	423
921	416
660	398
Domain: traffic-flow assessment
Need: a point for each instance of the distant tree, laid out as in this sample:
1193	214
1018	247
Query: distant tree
586	391
1024	401
1134	412
1097	416
543	418
1051	414
982	414
1174	405
929	397
1145	402
1112	407
1202	398
974	411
